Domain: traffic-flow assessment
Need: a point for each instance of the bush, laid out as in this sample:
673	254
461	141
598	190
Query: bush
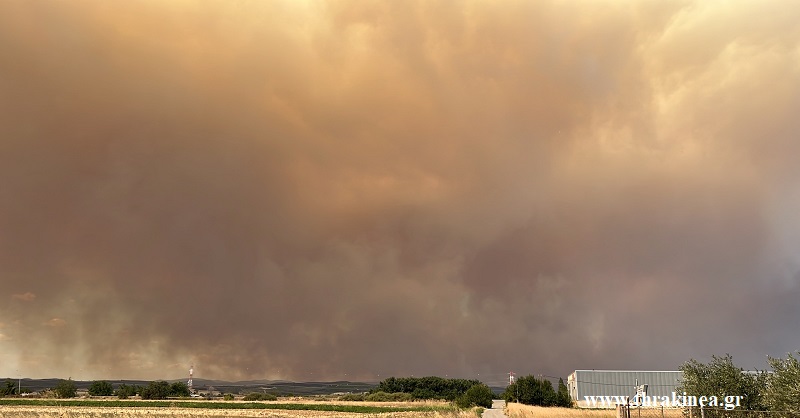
47	394
66	389
356	397
477	395
256	396
156	390
377	397
124	391
101	388
402	397
9	389
227	397
388	397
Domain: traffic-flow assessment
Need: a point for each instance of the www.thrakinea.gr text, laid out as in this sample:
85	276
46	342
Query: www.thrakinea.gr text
729	402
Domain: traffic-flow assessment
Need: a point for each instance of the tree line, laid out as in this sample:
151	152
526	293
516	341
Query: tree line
540	392
159	389
463	392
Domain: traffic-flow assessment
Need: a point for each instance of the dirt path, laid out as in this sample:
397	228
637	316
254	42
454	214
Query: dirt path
496	411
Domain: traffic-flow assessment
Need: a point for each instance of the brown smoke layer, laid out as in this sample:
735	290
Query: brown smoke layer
357	189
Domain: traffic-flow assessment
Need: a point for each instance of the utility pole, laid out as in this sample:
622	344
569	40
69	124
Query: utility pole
511	381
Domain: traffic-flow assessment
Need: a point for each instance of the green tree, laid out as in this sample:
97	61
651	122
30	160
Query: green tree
66	389
562	395
423	393
124	391
101	388
531	391
9	389
179	389
155	390
783	390
720	378
477	395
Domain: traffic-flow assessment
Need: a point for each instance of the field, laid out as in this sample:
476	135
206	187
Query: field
515	410
15	408
285	408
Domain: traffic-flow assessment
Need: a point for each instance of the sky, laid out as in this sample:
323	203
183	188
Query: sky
325	190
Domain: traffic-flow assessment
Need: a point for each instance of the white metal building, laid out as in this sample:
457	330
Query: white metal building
582	383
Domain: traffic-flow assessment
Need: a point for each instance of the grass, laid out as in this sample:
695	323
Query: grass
47	408
516	410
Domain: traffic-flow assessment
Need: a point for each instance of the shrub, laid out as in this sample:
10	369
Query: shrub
477	395
66	389
356	397
403	397
47	394
101	388
9	389
388	397
227	397
256	396
377	397
124	391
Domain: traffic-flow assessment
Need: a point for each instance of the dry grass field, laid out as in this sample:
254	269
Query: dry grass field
27	411
307	400
515	410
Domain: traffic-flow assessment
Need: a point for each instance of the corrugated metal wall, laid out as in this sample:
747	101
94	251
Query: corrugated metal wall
621	383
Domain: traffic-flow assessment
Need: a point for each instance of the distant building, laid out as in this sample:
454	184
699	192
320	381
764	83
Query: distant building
583	383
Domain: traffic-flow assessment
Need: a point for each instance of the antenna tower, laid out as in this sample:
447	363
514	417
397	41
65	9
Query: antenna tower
191	374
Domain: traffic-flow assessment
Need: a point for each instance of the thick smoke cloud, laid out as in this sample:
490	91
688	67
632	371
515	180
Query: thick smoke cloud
351	190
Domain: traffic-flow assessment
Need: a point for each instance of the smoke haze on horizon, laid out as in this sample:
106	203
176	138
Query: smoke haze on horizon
353	190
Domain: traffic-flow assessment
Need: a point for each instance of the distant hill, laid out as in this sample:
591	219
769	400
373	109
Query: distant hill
277	387
288	388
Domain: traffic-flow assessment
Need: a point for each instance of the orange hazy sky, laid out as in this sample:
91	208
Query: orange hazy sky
357	189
